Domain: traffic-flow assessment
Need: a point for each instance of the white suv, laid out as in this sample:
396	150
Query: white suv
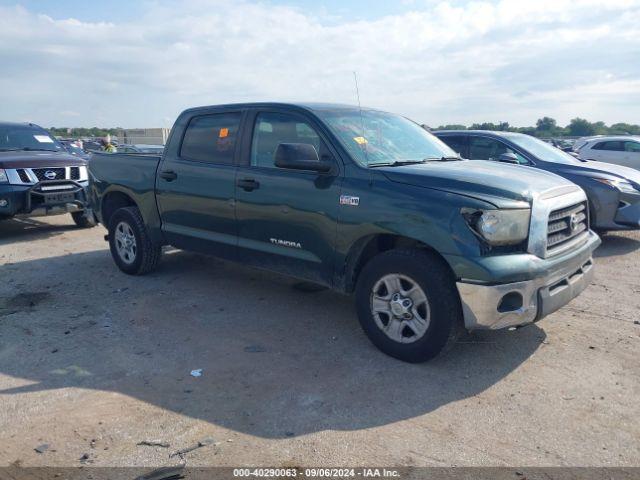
621	150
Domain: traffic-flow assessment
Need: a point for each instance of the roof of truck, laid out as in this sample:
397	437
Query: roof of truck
313	106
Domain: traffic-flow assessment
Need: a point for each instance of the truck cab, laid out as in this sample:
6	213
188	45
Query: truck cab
361	201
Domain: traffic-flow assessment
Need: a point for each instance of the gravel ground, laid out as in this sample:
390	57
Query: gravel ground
93	362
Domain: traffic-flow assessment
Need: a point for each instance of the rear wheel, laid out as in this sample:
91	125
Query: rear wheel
408	305
83	219
131	246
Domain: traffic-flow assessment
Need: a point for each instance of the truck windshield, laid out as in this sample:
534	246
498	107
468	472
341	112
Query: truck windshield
27	137
378	138
541	150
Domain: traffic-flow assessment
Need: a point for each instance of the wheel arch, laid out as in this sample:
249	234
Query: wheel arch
112	201
366	248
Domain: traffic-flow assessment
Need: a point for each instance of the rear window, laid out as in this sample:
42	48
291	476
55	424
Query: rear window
211	138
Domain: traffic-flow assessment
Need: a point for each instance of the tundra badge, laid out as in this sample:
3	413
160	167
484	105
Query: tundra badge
285	243
349	200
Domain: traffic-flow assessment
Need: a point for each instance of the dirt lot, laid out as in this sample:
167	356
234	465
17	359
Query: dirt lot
94	362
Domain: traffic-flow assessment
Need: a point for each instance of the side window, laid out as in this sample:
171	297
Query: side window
211	138
632	146
272	129
457	143
611	146
481	148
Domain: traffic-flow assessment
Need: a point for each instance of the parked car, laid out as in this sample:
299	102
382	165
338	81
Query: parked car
74	149
39	177
361	201
153	149
620	150
613	191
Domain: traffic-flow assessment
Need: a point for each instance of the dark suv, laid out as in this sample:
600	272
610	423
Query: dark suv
39	177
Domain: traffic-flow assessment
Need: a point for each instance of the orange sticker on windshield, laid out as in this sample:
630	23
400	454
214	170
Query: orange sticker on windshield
360	140
224	132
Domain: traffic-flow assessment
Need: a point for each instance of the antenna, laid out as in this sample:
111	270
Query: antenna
364	143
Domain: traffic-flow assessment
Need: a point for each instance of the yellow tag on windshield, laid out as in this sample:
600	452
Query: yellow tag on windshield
224	132
360	140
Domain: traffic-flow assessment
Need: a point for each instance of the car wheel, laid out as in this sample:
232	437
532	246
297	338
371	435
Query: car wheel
132	248
408	304
83	220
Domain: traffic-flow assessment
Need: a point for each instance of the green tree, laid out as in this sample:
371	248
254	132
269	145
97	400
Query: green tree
579	127
546	124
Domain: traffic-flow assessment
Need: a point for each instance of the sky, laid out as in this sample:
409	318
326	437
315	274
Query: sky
140	63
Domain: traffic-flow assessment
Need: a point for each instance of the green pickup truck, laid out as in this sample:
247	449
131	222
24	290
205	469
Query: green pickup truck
363	202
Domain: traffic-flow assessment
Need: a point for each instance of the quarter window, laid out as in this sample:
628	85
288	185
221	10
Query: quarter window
272	129
211	138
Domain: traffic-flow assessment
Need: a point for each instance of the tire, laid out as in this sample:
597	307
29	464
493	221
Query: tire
441	311
84	221
128	234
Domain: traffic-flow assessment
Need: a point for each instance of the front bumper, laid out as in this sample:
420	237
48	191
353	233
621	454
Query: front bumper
519	303
31	200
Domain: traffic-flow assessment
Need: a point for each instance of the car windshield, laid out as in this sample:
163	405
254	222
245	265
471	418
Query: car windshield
27	137
542	150
378	138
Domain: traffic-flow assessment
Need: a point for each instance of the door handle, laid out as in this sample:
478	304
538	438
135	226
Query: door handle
168	175
248	184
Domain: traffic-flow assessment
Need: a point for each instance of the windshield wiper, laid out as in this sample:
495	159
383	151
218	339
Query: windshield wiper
442	159
396	163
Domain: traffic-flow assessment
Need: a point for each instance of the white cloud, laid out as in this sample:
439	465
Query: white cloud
439	63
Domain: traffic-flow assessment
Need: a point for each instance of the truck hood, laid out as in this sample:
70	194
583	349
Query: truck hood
22	159
596	169
484	180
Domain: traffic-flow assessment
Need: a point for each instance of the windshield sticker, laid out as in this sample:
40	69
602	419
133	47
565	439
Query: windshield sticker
224	132
43	138
360	140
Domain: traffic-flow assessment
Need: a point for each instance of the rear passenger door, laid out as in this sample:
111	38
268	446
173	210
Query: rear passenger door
196	184
632	154
286	218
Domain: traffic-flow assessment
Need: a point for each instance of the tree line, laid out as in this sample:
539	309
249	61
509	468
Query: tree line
548	127
83	132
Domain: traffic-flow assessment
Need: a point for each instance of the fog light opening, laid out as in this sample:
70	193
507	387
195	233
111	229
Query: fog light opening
510	302
4	202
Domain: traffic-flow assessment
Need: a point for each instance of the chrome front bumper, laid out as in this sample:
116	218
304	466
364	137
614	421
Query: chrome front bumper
515	304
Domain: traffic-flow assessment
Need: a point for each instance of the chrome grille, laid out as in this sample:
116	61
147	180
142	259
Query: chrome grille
40	173
23	175
566	226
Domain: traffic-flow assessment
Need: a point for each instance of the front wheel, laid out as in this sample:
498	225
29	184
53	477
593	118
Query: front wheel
131	246
83	219
408	304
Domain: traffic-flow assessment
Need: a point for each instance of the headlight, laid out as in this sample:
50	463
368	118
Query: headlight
621	185
3	176
500	227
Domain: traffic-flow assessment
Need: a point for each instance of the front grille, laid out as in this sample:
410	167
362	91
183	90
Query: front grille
565	225
41	174
24	178
75	173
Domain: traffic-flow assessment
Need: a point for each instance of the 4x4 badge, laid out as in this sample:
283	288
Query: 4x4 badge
349	200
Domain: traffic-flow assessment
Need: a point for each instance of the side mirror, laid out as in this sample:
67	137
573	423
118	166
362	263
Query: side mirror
509	158
300	156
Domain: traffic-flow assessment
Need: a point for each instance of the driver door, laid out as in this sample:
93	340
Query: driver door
286	218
